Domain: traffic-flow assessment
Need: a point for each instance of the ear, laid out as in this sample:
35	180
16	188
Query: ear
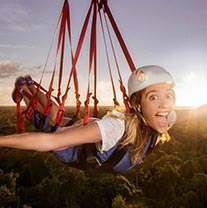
172	120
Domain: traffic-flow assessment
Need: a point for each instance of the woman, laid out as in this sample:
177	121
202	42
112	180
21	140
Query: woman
126	136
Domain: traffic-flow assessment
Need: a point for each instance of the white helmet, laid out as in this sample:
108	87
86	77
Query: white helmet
146	76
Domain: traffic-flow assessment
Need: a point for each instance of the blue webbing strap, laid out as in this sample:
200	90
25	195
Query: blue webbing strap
125	164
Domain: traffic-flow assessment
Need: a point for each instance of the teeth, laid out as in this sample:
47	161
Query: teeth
162	114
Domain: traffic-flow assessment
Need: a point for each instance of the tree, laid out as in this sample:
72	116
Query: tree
119	202
8	196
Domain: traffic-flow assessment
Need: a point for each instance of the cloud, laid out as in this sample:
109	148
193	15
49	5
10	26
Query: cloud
9	70
189	90
8	67
5	98
12	46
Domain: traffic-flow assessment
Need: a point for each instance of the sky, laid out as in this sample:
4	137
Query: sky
172	34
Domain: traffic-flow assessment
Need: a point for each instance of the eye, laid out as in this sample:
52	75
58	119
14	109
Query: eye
153	97
170	96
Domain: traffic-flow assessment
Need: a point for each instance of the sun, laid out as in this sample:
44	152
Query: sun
191	91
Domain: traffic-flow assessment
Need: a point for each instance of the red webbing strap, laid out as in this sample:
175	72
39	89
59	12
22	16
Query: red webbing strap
28	112
65	20
50	49
86	111
61	40
49	91
116	103
48	94
95	107
61	112
41	87
124	96
75	77
33	105
122	87
92	56
19	114
73	68
61	67
119	36
49	103
80	43
77	95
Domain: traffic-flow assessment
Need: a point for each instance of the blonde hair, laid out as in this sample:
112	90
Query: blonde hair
136	130
136	133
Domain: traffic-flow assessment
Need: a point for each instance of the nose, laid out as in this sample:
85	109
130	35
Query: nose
164	103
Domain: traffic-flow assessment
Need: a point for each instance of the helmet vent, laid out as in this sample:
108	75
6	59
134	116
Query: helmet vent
140	76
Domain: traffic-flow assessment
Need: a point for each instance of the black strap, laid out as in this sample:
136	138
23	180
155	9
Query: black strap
88	159
72	121
115	158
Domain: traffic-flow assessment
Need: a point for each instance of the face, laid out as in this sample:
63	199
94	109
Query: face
156	105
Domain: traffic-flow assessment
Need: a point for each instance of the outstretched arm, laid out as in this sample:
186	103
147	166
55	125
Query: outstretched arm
50	141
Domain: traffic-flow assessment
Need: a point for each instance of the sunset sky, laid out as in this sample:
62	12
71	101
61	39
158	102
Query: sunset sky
172	34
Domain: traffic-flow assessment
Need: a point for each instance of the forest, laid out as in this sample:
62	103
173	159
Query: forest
174	175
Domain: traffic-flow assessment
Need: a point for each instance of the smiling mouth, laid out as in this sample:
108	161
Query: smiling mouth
162	118
162	114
